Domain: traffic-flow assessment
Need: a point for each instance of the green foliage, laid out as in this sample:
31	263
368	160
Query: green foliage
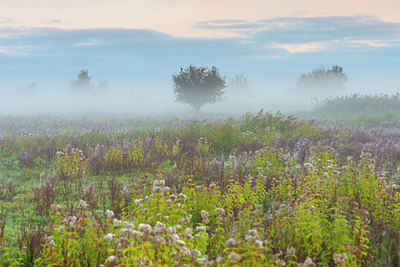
359	109
322	81
221	193
197	86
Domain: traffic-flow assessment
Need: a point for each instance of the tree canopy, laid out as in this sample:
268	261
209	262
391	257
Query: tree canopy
197	86
82	85
323	80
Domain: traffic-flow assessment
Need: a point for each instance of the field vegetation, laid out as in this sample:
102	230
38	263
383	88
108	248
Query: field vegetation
262	189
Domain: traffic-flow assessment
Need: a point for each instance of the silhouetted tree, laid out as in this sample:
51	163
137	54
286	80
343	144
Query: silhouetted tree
28	90
197	86
322	80
82	85
239	84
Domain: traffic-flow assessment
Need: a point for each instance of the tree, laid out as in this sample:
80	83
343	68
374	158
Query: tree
197	86
28	90
239	84
82	85
323	81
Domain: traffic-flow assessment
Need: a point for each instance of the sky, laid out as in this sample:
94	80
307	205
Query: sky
137	45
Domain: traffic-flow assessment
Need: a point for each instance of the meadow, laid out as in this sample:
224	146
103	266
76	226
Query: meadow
260	189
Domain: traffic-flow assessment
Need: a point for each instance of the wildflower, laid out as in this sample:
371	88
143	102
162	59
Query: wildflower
202	261
183	221
253	232
181	195
204	215
145	228
167	189
171	230
129	225
220	259
340	258
160	183
231	242
109	237
55	208
109	213
82	204
180	206
249	238
259	244
181	243
173	238
168	201
72	220
290	250
158	240
234	257
49	241
138	201
116	222
213	186
395	186
309	263
99	213
201	229
312	208
196	252
189	230
136	233
159	228
308	166
112	259
220	212
173	196
124	231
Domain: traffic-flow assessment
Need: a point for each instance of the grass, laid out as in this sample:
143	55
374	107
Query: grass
262	189
358	109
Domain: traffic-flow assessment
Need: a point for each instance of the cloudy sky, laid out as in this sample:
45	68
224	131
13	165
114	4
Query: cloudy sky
142	42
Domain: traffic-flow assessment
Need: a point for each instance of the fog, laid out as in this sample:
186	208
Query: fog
156	99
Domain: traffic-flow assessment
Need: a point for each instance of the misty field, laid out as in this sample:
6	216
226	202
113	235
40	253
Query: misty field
261	189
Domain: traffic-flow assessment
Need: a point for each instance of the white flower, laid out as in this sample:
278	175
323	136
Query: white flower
204	215
202	261
201	229
196	252
309	263
109	213
259	244
234	257
136	233
129	225
109	237
55	207
231	242
138	201
82	204
116	222
253	232
145	228
181	243
339	258
159	228
112	258
220	212
290	250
